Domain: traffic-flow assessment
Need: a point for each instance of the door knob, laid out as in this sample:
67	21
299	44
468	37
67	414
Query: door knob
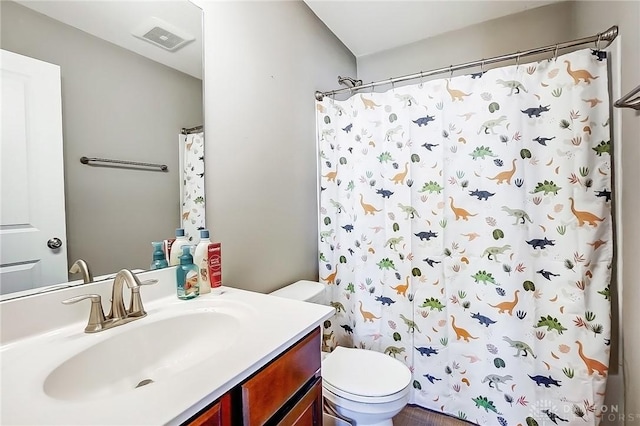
54	243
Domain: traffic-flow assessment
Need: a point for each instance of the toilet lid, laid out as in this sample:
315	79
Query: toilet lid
365	373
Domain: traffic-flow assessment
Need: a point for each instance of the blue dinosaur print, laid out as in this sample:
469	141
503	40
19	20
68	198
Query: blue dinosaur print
604	193
547	274
431	262
486	321
546	381
429	145
431	378
553	416
541	243
385	300
536	111
477	74
348	128
426	235
347	328
347	228
482	195
428	351
423	121
543	141
384	192
601	55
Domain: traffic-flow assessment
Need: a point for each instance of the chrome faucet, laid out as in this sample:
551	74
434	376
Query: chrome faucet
118	314
81	266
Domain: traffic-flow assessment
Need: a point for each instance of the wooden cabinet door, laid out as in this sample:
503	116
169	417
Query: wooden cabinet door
219	414
308	411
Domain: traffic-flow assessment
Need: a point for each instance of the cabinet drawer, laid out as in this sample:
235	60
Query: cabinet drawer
219	414
308	411
269	389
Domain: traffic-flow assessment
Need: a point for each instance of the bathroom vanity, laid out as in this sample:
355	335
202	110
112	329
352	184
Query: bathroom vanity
238	358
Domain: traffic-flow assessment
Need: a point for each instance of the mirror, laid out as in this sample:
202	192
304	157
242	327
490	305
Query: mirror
123	98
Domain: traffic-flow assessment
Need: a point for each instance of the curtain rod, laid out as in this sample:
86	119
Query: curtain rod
608	36
196	129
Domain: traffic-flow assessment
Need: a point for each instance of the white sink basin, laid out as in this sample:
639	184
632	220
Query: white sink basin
142	355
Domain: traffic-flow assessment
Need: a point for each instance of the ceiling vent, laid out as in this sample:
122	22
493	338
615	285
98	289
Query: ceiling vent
163	34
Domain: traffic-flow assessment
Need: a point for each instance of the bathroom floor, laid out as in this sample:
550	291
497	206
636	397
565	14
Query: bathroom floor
416	416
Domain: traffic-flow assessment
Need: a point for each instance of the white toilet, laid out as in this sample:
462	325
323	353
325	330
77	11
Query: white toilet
363	386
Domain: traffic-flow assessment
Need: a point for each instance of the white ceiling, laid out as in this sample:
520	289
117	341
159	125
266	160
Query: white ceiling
114	20
367	27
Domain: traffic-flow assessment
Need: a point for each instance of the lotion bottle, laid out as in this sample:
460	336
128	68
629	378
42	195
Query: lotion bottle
159	260
187	276
201	259
176	247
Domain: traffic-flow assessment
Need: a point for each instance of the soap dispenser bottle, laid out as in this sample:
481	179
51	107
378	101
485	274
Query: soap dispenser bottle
176	247
159	259
187	276
201	259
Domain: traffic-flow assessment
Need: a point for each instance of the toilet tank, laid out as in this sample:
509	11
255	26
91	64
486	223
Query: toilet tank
306	291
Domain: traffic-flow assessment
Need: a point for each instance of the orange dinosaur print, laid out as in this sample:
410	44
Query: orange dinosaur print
460	212
185	215
367	316
331	278
368	208
578	75
593	365
507	306
368	103
461	333
456	95
402	288
399	178
506	175
584	217
331	176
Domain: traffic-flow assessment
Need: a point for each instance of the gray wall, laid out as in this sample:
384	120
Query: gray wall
263	62
115	104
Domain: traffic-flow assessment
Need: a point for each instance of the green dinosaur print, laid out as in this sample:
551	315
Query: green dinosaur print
351	288
551	324
493	252
520	215
432	304
606	292
490	124
411	324
481	152
484	276
324	235
410	211
513	85
339	307
483	402
547	186
520	346
603	148
431	187
385	157
199	200
338	206
386	263
394	350
393	241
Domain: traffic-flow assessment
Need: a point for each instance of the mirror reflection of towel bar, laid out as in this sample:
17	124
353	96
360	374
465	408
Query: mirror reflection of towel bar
86	160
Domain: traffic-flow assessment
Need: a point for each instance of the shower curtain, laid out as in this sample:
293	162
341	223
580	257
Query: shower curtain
192	184
465	230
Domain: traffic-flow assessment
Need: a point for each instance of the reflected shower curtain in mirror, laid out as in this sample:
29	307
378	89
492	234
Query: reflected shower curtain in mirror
192	184
465	230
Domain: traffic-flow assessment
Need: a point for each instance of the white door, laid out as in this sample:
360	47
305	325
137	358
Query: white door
31	179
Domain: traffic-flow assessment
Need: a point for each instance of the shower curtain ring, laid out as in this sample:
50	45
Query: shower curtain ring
555	53
598	42
517	59
482	67
450	71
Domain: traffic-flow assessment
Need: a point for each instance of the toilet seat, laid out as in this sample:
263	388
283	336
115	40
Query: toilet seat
365	376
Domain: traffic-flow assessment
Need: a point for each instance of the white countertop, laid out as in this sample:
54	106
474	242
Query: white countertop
276	324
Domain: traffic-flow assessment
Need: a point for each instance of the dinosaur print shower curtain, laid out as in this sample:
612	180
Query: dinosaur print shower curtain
465	230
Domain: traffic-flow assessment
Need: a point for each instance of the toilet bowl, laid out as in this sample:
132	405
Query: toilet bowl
363	386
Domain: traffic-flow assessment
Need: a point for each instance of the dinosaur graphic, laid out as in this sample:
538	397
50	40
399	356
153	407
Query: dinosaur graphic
543	141
482	152
426	235
486	321
368	208
546	187
428	351
546	381
485	277
461	333
338	206
392	132
367	316
408	100
429	145
584	216
553	416
401	289
347	328
324	235
393	241
603	148
593	365
506	175
368	103
604	193
331	278
431	262
348	128
460	212
384	192
496	380
331	176
483	402
513	85
541	243
385	300
347	228
578	75
493	252
432	303
456	95
520	346
410	211
431	187
423	121
482	195
393	350
551	324
412	326
431	378
507	306
547	274
531	112
399	178
520	215
490	124
339	307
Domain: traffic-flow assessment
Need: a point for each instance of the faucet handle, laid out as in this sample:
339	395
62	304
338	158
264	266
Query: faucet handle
136	309
96	314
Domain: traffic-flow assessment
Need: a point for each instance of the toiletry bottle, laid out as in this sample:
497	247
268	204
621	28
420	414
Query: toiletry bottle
215	267
159	260
176	247
187	276
201	259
